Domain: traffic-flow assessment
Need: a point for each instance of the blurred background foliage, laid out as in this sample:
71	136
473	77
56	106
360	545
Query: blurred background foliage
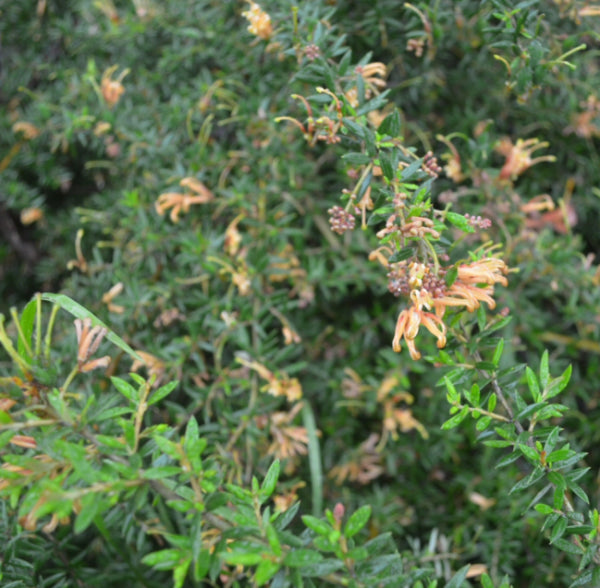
256	273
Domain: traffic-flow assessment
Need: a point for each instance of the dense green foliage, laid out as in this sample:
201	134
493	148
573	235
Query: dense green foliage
248	223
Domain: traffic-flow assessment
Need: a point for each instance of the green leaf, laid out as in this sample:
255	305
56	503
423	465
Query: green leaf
242	558
391	125
192	434
552	440
27	321
356	159
559	384
559	529
79	311
316	525
536	475
456	419
492	403
532	383
265	571
270	482
498	352
180	572
302	557
567	546
544	370
530	453
165	559
163	391
498	443
273	539
285	518
483	423
544	509
314	457
387	167
357	521
486	581
458	220
401	255
90	506
322	568
457	580
578	490
453	396
158	473
126	389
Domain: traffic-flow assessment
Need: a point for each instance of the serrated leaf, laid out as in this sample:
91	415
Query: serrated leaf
357	521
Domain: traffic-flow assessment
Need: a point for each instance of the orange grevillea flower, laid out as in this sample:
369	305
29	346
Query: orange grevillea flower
518	156
407	326
112	90
181	202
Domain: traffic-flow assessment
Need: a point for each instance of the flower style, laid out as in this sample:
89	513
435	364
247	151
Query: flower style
182	202
518	156
88	340
260	22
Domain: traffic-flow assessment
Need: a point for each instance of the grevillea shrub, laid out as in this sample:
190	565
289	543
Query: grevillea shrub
299	294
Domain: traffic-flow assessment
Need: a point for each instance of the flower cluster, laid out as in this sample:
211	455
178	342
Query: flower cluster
260	21
431	296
